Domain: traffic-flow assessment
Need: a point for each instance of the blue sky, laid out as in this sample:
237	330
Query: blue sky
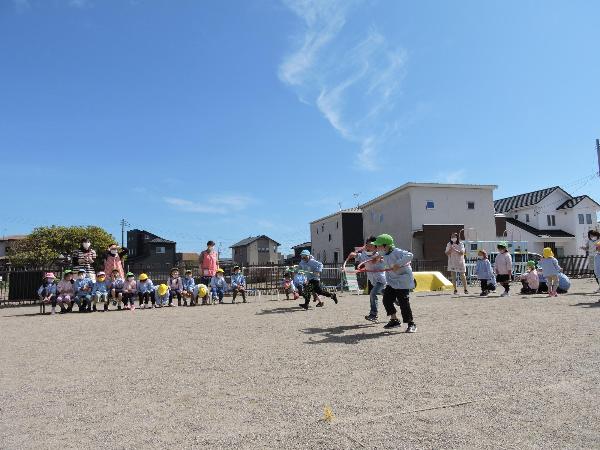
220	119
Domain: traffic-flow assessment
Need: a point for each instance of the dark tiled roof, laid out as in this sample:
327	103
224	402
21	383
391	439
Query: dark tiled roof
522	201
304	244
535	231
573	202
160	241
251	239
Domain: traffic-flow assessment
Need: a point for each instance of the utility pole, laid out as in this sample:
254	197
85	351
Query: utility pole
598	154
124	224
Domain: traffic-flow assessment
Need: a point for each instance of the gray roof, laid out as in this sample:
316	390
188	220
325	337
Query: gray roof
304	244
354	210
251	239
159	240
574	202
523	200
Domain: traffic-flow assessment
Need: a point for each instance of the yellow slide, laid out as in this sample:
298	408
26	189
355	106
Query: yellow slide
431	281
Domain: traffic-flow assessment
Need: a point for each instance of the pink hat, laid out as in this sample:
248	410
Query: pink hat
101	274
49	275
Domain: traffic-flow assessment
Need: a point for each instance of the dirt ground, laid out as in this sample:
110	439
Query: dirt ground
516	372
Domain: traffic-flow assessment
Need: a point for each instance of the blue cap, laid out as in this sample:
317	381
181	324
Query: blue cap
304	253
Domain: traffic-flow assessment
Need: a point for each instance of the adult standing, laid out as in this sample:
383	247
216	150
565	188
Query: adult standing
83	258
209	263
455	250
591	249
113	260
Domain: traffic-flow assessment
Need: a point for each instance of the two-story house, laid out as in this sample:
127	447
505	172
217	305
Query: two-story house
255	250
334	236
549	217
148	251
422	216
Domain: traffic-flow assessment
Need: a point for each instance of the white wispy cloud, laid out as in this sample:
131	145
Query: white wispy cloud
353	81
452	177
220	204
21	6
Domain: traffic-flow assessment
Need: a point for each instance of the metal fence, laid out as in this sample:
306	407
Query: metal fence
19	286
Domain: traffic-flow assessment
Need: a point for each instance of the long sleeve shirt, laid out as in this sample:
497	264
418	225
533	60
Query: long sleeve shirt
144	287
47	289
238	280
312	267
218	283
188	284
101	287
401	278
373	277
83	286
483	269
175	284
66	287
503	263
549	266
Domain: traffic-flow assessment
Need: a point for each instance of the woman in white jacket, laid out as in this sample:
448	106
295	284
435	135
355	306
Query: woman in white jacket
455	250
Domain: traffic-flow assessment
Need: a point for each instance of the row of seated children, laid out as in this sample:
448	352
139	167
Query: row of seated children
88	294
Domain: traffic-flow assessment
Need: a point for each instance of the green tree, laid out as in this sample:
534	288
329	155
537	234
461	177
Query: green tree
45	245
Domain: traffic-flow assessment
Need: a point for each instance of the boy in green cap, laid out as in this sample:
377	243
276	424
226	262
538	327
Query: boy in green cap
400	281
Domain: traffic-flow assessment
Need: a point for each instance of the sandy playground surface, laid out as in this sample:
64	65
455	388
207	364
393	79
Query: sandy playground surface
520	372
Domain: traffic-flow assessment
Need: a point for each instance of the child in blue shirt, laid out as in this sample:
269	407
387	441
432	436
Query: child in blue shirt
218	286
238	284
83	291
189	284
484	272
551	269
100	291
145	290
299	282
47	291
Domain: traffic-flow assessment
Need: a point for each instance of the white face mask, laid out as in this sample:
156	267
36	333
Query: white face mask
114	252
86	245
369	253
81	277
453	240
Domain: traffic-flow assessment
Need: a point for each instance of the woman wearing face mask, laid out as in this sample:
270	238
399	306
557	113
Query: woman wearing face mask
113	260
84	257
209	263
590	247
455	250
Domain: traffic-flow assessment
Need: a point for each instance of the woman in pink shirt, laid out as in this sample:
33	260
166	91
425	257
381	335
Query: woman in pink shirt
209	263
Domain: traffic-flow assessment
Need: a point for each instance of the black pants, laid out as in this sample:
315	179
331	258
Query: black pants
175	294
484	286
369	287
314	287
128	297
504	280
390	295
144	297
235	293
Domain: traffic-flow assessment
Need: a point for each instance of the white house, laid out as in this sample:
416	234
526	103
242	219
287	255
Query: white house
421	216
334	236
549	217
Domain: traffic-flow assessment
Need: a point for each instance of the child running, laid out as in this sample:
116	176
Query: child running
375	274
238	284
551	269
503	267
300	282
484	272
313	268
400	281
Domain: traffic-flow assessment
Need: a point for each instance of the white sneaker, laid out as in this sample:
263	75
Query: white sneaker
504	294
53	311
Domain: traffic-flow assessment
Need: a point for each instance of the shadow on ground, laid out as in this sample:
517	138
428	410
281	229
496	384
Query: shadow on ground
289	309
587	304
335	335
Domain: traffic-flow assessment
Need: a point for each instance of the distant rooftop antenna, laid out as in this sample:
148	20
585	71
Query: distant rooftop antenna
598	154
340	205
356	195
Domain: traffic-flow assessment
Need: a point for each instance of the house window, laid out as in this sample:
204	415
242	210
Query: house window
470	205
146	237
336	257
527	218
588	218
330	237
337	225
160	250
429	204
551	220
581	219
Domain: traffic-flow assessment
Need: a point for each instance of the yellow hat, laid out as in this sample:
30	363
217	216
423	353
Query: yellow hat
219	270
202	290
143	277
162	289
548	253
